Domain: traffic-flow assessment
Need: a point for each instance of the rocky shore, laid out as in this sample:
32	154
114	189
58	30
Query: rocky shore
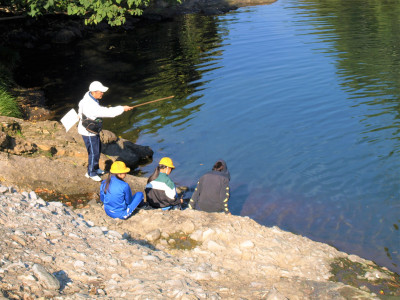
49	251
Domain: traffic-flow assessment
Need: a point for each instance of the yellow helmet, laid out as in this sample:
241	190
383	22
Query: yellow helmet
166	161
119	167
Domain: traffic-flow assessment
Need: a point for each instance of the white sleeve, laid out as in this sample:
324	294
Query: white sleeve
106	112
93	110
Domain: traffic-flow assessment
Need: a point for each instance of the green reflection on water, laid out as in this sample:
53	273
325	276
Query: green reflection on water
154	63
364	35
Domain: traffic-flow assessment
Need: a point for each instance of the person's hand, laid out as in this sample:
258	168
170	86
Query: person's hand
126	107
181	200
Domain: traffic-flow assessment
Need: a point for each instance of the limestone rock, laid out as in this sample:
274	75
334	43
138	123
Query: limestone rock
108	137
273	294
47	279
153	235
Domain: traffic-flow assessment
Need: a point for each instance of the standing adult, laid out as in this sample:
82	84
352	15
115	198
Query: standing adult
116	194
90	108
160	189
212	191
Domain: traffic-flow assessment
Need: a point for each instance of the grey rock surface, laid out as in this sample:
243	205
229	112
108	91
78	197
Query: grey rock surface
50	251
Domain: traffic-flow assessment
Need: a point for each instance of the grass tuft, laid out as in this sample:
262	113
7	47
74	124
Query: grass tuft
8	105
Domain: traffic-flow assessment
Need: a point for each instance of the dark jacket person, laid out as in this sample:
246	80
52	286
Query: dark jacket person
212	191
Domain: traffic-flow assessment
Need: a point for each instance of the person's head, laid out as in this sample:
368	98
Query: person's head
218	166
97	89
164	166
221	166
119	169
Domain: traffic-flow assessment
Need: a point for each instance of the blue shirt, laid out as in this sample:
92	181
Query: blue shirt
117	198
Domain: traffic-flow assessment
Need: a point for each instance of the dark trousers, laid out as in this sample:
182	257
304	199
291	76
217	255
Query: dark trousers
92	144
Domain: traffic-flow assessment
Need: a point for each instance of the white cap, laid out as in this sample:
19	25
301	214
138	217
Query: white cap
97	86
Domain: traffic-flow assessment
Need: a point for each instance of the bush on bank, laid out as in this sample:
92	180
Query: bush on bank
8	104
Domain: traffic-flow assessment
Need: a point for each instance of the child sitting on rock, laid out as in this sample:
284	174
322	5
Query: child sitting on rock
116	194
160	189
212	191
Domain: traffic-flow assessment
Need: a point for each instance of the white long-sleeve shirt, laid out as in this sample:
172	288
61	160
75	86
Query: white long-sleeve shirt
92	109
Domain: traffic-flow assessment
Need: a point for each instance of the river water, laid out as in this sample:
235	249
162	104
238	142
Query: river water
301	98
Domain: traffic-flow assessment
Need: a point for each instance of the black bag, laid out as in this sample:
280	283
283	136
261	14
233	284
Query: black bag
93	126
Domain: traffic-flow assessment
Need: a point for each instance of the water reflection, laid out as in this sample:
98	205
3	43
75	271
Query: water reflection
363	37
156	60
300	97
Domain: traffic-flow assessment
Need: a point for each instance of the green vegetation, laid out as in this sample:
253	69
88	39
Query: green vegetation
94	11
366	42
8	105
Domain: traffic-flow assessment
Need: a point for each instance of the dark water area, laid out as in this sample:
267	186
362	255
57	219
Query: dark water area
301	98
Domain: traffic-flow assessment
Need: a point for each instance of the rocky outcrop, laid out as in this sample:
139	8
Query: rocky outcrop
51	251
42	154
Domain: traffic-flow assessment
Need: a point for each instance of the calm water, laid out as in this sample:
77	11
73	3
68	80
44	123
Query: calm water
301	98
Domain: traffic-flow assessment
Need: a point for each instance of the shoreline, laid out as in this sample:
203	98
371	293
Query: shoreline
45	149
50	250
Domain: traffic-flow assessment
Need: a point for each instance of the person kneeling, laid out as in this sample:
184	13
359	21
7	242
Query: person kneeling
116	194
160	189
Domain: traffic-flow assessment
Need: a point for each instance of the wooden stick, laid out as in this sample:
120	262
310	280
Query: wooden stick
153	101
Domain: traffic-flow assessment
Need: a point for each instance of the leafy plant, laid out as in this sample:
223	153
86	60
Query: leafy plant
94	11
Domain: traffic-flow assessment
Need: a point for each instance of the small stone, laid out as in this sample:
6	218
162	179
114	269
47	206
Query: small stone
114	234
247	245
96	230
45	278
153	235
188	227
213	246
101	292
114	262
273	294
200	276
41	202
33	195
197	235
26	278
56	204
208	233
18	239
79	264
151	258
